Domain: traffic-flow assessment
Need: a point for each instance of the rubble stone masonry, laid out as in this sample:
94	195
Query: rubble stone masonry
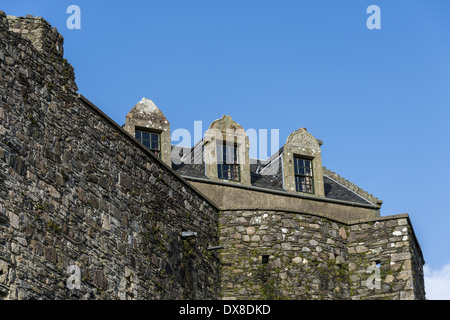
77	190
312	257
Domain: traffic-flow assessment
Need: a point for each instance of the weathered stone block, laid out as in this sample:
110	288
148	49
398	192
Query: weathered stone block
400	256
100	280
50	254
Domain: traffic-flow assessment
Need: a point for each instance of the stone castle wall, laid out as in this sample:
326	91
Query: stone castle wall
76	189
312	257
390	245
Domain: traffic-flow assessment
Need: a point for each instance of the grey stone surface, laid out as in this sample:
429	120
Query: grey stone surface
76	189
313	258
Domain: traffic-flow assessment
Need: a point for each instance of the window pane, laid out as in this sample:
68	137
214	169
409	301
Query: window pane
307	172
228	172
224	154
301	171
227	159
150	140
221	170
231	155
220	154
298	184
303	175
227	152
236	173
154	146
155	137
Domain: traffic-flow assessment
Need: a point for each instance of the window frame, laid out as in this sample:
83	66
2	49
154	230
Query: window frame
298	176
157	152
221	173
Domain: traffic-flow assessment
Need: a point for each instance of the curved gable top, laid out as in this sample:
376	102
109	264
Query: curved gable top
302	138
301	144
226	130
225	123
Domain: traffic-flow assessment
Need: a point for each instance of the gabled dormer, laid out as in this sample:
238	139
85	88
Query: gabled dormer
302	164
149	126
226	152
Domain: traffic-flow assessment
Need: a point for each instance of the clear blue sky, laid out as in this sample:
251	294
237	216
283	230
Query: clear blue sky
379	99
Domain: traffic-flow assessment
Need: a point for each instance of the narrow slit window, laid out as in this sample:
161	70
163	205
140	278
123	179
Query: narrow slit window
304	176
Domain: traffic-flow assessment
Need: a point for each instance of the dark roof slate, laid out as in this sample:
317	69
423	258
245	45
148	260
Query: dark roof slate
261	177
334	190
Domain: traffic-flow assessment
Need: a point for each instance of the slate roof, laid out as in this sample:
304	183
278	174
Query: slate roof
262	177
335	190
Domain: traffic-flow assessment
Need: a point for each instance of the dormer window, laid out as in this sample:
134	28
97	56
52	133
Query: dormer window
150	139
304	176
228	167
226	152
149	126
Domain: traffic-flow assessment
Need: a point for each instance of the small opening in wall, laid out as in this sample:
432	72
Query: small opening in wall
188	234
378	264
265	258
